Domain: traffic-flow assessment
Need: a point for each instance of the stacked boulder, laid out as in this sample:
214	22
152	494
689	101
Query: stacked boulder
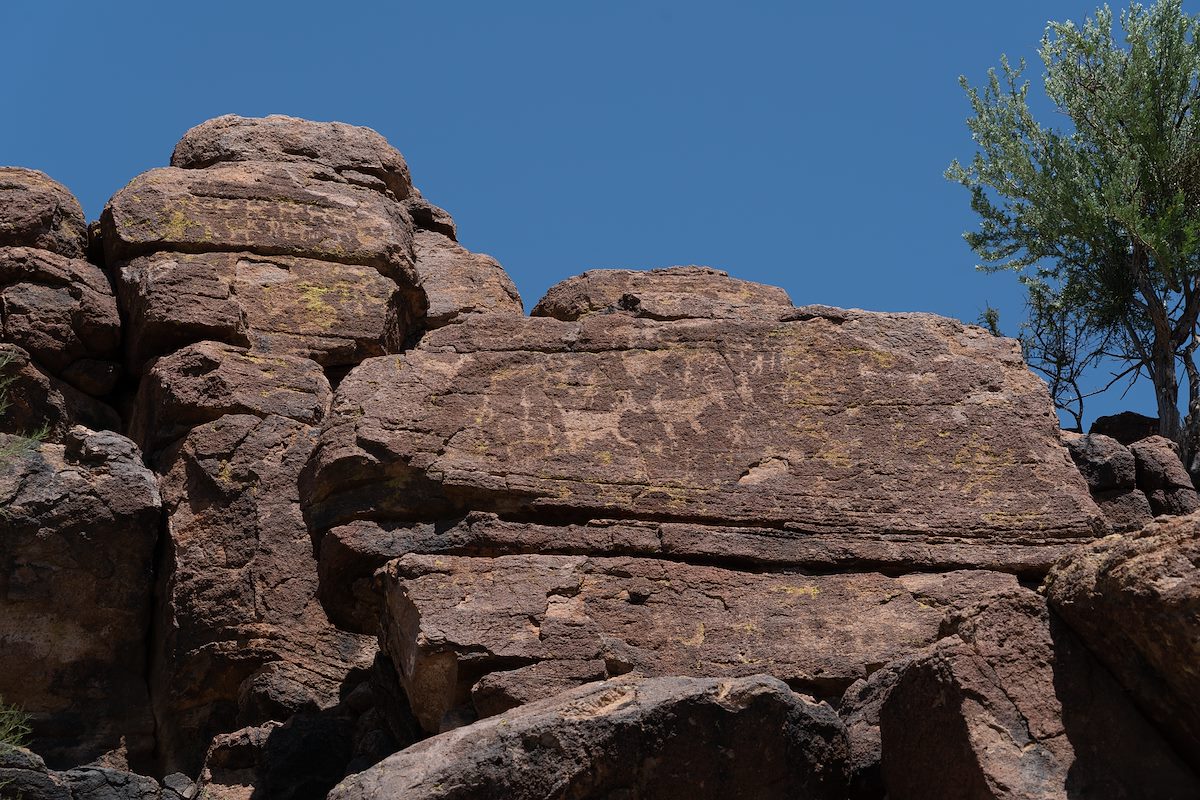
60	334
1133	483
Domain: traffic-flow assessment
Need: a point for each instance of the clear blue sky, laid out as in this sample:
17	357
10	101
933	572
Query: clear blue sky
799	144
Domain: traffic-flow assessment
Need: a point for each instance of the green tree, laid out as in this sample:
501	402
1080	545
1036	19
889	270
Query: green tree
1100	219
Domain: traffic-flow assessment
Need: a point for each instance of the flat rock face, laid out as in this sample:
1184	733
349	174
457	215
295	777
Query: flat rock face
630	737
852	424
1135	600
1010	705
335	314
451	620
80	520
356	155
291	209
36	211
670	293
458	282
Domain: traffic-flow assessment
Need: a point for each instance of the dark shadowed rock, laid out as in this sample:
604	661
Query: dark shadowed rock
334	314
102	783
1161	475
41	403
1111	472
451	620
856	426
664	738
77	536
269	209
36	211
206	381
859	708
241	638
355	155
1135	601
1126	427
664	294
428	217
458	282
62	312
24	776
1011	705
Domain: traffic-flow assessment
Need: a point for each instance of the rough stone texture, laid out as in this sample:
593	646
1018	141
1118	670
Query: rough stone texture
665	294
451	620
36	211
41	403
356	155
1011	705
62	312
426	216
859	708
852	425
1111	472
102	783
1126	427
77	535
206	381
1161	475
241	638
458	282
1135	601
335	314
630	737
267	208
24	776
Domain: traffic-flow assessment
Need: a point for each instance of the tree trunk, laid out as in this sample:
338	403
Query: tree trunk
1166	392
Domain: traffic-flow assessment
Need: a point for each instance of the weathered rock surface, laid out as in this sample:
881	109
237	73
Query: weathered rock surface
1011	705
40	403
1135	601
428	217
1111	473
458	282
1126	427
36	211
665	294
77	535
294	209
630	737
850	425
206	381
334	314
356	155
1161	475
62	312
451	620
241	638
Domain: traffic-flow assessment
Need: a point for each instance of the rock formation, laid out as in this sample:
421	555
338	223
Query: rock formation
670	535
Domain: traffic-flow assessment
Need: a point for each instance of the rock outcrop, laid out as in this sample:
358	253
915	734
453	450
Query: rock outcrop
1111	473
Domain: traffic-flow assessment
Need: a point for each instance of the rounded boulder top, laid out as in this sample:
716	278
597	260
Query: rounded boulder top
360	155
37	211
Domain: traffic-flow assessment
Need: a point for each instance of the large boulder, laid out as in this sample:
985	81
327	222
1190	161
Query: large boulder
1163	478
79	522
667	294
859	427
1135	600
693	738
458	282
1126	427
1111	473
36	403
451	621
36	211
1011	705
356	155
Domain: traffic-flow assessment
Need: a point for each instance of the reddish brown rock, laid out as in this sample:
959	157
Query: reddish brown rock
78	526
852	425
458	282
1111	472
35	402
428	217
451	620
241	637
1010	705
334	314
36	211
665	294
1135	601
208	380
356	155
691	738
268	209
62	312
1161	475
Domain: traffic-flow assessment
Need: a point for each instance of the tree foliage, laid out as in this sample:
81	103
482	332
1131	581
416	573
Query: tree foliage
1100	219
